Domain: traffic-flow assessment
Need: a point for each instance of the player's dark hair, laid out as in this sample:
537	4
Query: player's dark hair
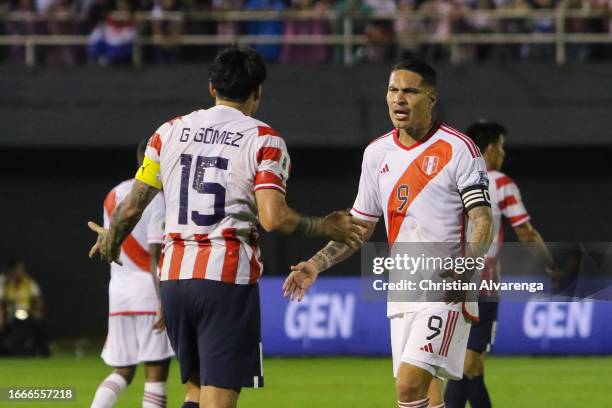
422	68
485	132
236	73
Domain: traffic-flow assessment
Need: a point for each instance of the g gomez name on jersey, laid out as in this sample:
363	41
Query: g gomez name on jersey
210	135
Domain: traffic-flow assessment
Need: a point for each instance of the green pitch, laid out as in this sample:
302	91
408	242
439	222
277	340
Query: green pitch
336	382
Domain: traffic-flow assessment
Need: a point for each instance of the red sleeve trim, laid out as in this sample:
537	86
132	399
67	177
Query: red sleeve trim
506	202
269	153
366	214
502	181
518	220
156	143
267	131
474	150
270	187
266	177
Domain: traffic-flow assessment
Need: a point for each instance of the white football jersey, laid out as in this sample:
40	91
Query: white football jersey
209	161
418	189
131	289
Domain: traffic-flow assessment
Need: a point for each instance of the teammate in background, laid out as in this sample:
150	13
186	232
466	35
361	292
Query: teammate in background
506	201
421	177
136	331
212	163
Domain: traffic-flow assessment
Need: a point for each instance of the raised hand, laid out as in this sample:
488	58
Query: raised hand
103	245
301	278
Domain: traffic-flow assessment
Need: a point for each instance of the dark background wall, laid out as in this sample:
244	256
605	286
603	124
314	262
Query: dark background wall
58	161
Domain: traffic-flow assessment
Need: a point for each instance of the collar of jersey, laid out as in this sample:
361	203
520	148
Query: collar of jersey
429	134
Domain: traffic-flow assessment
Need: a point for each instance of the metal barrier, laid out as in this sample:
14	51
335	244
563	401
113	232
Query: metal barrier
346	39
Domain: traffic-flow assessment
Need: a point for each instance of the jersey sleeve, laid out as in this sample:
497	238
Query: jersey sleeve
155	226
472	178
367	204
273	162
149	172
510	204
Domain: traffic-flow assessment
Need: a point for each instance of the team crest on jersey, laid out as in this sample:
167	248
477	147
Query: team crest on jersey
430	164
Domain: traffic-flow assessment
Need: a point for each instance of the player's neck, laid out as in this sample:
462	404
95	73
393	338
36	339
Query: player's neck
410	136
244	107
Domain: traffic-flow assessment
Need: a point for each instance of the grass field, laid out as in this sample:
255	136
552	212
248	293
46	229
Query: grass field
337	382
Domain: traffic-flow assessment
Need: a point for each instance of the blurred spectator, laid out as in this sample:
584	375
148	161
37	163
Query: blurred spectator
167	24
28	26
480	22
23	311
58	23
112	39
315	26
269	52
228	28
543	52
379	33
407	30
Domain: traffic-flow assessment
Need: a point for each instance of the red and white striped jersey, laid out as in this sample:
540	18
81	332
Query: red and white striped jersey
418	190
505	201
131	289
211	160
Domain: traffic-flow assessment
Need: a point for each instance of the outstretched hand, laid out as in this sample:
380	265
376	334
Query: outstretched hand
103	246
301	278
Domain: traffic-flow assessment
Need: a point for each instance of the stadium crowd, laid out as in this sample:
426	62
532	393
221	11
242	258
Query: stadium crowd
112	27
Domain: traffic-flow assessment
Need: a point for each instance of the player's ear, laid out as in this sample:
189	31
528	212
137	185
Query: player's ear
257	93
433	98
212	90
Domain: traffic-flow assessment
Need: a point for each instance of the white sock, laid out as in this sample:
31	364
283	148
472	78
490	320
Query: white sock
154	395
108	391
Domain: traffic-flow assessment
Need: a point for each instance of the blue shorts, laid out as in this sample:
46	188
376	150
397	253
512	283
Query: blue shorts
214	328
482	334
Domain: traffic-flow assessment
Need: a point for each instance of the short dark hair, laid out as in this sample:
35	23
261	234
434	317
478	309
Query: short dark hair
485	132
422	68
236	73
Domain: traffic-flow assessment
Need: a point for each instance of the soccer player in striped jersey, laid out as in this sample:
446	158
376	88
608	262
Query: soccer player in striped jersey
212	163
507	205
136	331
423	177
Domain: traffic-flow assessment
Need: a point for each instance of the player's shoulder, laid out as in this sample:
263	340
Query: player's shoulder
500	180
123	188
262	129
460	142
380	143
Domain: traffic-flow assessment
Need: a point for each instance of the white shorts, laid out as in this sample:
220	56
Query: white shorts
132	340
433	338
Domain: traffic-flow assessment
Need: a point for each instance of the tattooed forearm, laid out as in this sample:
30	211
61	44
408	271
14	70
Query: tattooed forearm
482	231
332	254
128	212
336	252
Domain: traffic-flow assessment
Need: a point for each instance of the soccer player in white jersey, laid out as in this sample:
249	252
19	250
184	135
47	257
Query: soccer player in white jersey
506	202
136	332
421	177
211	164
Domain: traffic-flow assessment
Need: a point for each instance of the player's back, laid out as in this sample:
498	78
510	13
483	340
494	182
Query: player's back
210	161
131	287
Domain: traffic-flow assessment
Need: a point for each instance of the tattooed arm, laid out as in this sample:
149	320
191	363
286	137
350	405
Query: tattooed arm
481	219
124	219
304	274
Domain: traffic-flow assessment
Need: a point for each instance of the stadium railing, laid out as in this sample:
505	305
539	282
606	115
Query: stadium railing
346	39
